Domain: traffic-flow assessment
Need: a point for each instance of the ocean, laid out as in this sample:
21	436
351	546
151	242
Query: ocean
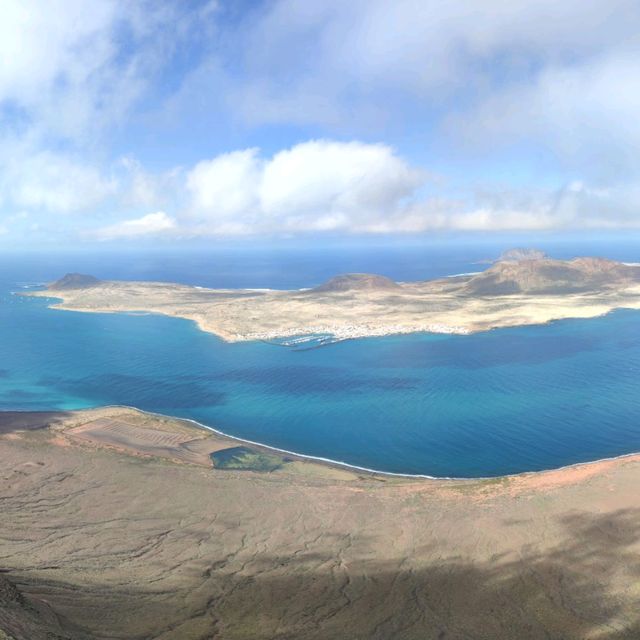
504	401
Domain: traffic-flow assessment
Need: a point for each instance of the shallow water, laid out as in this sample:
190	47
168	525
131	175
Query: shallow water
499	402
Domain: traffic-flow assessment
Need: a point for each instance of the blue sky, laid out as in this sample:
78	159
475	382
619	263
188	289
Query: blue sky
215	121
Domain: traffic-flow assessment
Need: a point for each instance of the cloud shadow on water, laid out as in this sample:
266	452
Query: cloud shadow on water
299	380
139	391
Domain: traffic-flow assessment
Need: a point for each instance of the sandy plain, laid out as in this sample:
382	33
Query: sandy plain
109	530
432	306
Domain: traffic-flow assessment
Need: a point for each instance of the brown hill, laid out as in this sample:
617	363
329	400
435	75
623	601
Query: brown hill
23	618
548	276
74	281
357	282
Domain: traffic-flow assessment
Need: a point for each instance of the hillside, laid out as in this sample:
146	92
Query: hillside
74	281
100	542
356	305
549	276
23	618
357	282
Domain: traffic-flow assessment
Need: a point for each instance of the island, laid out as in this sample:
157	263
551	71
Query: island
524	287
123	524
118	523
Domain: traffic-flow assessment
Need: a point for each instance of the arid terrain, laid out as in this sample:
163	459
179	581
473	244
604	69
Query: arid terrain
116	524
511	292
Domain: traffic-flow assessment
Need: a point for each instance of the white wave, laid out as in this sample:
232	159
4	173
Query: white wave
468	273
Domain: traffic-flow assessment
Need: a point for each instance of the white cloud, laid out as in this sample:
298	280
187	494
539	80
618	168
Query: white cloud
557	80
327	186
148	225
140	188
60	77
351	52
70	74
572	207
316	185
70	71
43	41
324	177
226	185
54	182
562	76
586	113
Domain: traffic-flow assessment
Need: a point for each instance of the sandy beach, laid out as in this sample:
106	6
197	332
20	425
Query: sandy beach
116	524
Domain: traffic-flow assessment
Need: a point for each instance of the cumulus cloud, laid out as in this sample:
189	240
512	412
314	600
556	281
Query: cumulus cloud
326	186
560	77
227	185
148	225
509	84
316	185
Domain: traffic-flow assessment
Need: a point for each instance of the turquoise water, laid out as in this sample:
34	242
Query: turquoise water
500	402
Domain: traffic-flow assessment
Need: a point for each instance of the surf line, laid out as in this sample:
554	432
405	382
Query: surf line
356	467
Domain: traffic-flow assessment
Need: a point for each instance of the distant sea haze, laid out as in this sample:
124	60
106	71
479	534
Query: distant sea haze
289	267
487	404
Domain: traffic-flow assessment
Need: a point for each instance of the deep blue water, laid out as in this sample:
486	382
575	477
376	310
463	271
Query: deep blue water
500	402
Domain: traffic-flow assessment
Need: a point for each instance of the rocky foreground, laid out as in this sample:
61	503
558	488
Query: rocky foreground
110	530
523	288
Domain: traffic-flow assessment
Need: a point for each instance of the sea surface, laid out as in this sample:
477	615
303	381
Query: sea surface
504	401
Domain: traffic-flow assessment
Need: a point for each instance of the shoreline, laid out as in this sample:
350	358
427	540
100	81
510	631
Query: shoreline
94	524
377	472
60	304
57	300
339	335
456	304
328	462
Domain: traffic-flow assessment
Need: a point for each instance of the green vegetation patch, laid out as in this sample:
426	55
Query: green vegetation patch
247	459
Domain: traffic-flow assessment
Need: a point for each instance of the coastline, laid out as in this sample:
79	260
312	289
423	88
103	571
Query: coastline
117	541
377	472
60	303
338	464
63	300
339	334
445	306
409	476
329	461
